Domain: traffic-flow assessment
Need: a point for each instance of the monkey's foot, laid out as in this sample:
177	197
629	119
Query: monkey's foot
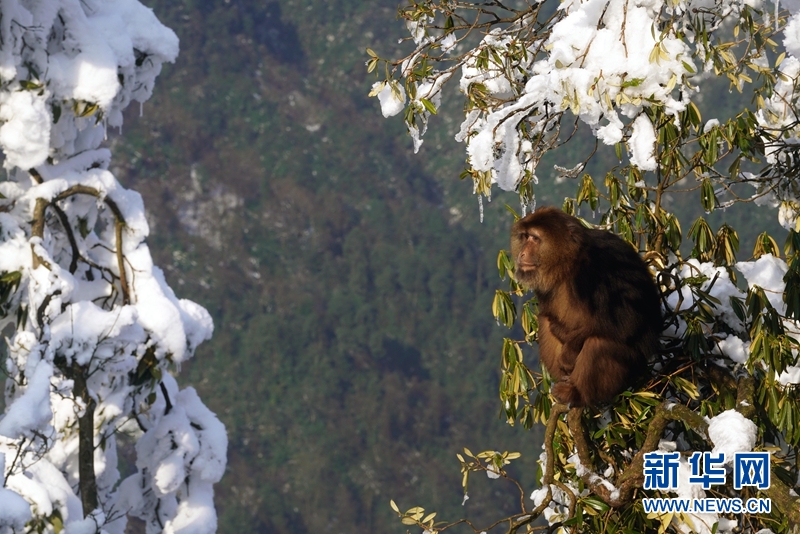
566	393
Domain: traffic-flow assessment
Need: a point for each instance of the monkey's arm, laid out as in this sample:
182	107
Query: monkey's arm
550	347
570	352
570	342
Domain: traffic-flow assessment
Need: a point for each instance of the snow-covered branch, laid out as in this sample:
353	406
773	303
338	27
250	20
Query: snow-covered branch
94	330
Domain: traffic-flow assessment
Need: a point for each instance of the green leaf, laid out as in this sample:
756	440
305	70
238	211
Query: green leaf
727	245
84	109
428	105
504	309
377	89
83	226
673	232
737	305
57	522
694	115
708	199
530	322
765	244
633	82
596	503
12	277
587	192
371	65
30	86
513	212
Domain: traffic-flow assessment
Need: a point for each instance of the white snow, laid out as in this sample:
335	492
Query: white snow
31	409
14	510
589	69
642	144
710	124
392	98
449	43
722	289
767	272
791	375
734	348
791	38
25	133
732	432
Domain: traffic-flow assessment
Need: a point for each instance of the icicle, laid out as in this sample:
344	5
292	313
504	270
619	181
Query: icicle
523	207
105	130
120	129
777	8
480	206
141	109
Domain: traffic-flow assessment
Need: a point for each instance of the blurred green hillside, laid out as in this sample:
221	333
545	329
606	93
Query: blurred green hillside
350	281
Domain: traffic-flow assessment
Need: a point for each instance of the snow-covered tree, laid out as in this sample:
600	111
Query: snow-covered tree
92	329
630	74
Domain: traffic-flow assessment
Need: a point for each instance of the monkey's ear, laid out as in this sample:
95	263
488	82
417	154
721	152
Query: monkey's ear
514	213
577	230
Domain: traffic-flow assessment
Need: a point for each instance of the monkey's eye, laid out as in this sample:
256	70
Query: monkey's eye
535	238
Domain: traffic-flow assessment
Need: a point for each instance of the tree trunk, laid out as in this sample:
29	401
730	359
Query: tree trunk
88	482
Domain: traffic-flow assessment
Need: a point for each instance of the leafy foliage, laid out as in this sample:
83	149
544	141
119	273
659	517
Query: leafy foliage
530	74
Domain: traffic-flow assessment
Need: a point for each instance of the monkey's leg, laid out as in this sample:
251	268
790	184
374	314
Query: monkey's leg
602	369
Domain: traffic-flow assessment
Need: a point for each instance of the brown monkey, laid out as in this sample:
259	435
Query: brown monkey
599	311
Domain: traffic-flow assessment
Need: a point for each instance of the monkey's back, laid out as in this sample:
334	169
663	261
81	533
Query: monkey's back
615	284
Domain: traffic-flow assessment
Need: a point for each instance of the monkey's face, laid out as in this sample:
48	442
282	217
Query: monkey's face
545	245
529	248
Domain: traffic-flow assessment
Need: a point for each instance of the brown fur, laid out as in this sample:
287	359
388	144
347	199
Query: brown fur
599	312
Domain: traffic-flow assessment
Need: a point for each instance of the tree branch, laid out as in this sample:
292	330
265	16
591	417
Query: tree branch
87	483
118	226
632	477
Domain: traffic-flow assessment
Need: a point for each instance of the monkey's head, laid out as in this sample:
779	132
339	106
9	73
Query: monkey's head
544	246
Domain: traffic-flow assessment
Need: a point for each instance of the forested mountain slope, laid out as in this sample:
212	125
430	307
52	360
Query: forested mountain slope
350	282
